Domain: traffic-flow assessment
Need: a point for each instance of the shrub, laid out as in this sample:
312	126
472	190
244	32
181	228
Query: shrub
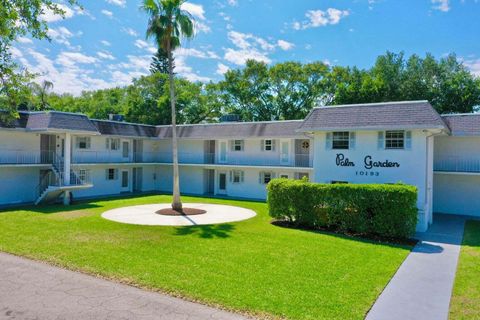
387	210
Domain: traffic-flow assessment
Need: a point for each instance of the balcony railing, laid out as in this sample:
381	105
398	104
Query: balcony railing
457	164
26	157
298	160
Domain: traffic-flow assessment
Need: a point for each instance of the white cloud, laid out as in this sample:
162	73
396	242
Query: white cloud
285	45
222	69
105	55
60	35
473	65
49	16
105	43
232	2
240	57
130	32
191	52
145	45
70	59
120	3
248	40
441	5
202	27
16	53
195	10
107	13
320	18
24	40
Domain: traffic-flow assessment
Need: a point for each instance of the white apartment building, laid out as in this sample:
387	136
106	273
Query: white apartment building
47	155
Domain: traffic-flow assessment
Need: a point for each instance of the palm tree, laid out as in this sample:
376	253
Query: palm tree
168	24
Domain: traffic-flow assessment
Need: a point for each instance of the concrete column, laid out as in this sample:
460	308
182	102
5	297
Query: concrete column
67	158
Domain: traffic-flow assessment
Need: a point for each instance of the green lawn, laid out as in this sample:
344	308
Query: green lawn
465	302
250	266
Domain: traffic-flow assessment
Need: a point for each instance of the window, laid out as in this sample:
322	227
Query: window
113	144
236	176
111	174
395	139
268	145
266	177
284	176
341	140
339	182
237	145
83	142
83	175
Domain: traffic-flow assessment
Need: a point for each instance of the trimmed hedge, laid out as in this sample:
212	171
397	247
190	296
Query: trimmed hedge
387	210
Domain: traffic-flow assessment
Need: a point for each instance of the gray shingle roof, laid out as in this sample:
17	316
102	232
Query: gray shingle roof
231	130
125	129
59	121
463	124
388	115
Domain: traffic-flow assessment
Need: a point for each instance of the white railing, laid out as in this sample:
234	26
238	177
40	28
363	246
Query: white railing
457	164
26	157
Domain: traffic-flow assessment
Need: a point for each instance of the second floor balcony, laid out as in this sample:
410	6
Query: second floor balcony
457	164
298	160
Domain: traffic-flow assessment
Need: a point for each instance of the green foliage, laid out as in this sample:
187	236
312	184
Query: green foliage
284	91
376	209
447	83
160	62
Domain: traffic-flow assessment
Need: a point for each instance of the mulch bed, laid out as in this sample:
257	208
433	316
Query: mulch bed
183	212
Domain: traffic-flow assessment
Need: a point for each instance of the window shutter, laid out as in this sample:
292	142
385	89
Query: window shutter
408	140
116	174
274	175
381	143
88	142
329	141
232	145
351	144
274	144
242	176
262	145
107	143
106	174
231	176
77	142
260	177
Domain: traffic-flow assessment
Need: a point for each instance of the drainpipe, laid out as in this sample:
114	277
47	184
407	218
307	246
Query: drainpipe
67	166
429	189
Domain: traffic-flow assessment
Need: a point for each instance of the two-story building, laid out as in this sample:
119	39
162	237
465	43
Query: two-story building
47	155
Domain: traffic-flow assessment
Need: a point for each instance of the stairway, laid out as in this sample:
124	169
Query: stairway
52	185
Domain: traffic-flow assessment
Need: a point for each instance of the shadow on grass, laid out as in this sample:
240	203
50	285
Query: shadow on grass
390	242
207	231
57	208
471	236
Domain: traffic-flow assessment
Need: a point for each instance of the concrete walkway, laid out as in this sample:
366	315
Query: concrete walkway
422	286
33	290
146	215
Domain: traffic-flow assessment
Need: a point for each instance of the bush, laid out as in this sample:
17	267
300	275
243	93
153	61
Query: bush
387	210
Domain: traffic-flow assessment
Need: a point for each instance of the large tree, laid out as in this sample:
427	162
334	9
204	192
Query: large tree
19	18
160	62
168	24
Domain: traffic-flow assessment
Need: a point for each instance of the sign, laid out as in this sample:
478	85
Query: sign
368	162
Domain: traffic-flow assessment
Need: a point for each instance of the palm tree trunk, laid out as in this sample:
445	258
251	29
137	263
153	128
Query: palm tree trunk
176	203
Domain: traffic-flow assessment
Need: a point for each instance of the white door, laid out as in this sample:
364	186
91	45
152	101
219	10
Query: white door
125	181
223	152
284	152
222	182
125	150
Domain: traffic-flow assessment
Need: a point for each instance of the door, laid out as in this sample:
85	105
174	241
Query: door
137	179
125	150
209	150
222	183
223	152
284	152
302	153
125	181
47	148
138	151
209	175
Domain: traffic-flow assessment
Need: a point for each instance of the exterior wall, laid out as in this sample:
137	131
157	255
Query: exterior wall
191	179
21	147
18	185
456	194
457	154
413	166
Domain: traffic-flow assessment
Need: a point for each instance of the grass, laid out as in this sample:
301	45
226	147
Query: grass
465	303
250	266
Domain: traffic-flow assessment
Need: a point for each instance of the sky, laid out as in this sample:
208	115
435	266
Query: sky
104	45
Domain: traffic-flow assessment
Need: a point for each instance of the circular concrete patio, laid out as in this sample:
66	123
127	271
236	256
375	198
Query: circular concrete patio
146	215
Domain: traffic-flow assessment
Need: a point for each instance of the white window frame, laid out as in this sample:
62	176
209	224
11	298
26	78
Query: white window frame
393	139
238	143
108	177
263	176
345	138
237	176
83	140
113	144
268	145
83	175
